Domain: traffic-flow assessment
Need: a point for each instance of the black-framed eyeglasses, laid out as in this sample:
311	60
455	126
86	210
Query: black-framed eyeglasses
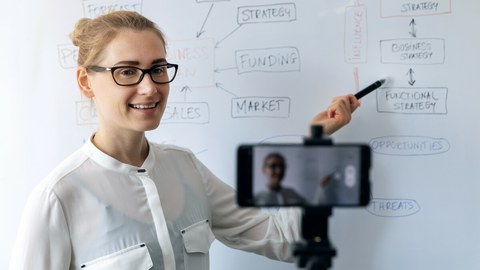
274	166
129	75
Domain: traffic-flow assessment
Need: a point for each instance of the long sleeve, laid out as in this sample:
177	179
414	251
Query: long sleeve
42	241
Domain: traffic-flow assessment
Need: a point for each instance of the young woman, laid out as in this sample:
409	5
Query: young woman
122	202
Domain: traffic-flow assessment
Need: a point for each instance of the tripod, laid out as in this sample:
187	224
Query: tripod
315	252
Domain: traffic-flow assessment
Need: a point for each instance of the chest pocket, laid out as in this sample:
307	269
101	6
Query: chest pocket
198	237
131	258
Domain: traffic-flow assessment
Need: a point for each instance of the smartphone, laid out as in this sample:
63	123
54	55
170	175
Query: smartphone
274	175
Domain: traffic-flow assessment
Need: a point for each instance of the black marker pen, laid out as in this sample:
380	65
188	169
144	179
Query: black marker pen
370	88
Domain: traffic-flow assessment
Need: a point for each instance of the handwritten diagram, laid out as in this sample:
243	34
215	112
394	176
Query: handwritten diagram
200	71
411	51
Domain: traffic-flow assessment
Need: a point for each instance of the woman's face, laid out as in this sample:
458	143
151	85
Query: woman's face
135	108
274	169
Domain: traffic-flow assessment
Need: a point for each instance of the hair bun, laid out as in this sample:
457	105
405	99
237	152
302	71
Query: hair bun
78	33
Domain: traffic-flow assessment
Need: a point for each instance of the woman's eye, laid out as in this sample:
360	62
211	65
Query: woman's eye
158	70
128	72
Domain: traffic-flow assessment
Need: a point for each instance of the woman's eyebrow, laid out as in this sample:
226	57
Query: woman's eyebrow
136	63
128	63
159	61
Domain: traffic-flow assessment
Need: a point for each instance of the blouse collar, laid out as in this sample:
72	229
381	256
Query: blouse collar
111	163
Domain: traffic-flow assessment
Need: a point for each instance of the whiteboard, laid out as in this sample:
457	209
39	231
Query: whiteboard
257	71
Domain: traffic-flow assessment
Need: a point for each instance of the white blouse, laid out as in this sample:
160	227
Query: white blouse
94	212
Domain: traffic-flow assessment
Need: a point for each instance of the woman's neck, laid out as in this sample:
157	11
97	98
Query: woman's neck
128	148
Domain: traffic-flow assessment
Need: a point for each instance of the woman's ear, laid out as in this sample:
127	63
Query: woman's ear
84	82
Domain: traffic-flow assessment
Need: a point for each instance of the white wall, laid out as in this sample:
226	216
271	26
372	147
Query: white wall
424	212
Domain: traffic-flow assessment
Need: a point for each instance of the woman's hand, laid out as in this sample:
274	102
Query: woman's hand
337	115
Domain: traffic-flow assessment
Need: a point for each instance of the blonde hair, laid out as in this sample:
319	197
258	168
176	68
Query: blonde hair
91	36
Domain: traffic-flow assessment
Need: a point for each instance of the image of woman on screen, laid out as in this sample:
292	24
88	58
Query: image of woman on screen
276	194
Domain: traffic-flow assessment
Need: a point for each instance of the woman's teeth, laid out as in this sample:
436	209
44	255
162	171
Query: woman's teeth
148	106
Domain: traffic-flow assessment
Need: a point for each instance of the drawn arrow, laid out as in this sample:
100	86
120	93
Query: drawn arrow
218	70
413	32
219	86
411	81
185	90
199	33
223	39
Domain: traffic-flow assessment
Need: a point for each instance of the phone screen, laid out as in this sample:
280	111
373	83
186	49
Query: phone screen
299	175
